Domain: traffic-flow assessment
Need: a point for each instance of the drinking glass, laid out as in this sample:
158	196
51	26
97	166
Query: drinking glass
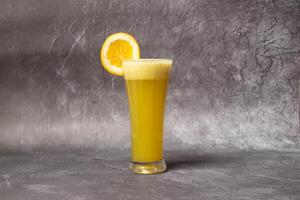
146	85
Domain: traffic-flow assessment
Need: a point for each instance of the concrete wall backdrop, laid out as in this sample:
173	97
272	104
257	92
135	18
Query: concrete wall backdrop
234	82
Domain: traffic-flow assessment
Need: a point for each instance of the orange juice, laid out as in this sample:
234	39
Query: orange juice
146	84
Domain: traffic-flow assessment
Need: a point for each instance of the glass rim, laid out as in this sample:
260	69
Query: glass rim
149	60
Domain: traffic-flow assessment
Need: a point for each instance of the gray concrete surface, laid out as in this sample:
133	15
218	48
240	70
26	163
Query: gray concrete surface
234	83
192	175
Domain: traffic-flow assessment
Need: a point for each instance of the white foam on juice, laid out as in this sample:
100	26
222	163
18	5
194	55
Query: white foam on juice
145	69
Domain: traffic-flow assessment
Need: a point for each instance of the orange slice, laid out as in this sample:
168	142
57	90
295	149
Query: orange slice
118	47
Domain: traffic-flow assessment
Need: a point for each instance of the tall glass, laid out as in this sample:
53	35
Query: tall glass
146	84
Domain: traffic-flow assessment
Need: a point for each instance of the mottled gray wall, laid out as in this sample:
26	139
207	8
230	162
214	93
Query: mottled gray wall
234	82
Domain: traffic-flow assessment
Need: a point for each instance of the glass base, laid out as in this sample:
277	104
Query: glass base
148	168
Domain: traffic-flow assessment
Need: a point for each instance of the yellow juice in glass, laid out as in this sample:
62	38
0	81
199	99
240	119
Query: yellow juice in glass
146	84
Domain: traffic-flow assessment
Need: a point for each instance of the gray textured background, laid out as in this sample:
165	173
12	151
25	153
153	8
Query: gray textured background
235	80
